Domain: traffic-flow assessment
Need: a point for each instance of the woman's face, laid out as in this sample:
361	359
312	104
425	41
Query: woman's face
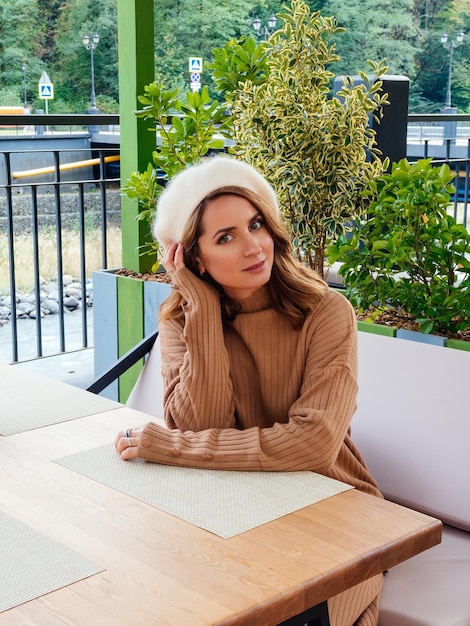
235	247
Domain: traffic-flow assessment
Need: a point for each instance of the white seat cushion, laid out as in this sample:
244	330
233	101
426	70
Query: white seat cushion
412	424
147	394
432	588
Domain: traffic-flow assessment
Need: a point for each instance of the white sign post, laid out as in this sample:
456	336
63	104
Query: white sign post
46	89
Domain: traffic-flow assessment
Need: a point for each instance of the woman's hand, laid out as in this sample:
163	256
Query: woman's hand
127	443
173	259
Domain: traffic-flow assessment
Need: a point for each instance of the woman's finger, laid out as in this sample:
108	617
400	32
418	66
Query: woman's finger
128	453
127	442
178	259
173	259
168	257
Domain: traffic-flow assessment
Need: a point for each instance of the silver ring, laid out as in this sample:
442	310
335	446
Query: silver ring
129	442
128	432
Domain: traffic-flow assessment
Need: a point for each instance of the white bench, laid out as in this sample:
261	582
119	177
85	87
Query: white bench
413	428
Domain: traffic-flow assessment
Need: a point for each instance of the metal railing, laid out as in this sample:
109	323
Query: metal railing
86	170
446	139
438	129
63	177
58	124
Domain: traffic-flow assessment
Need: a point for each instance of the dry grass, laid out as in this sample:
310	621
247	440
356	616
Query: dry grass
23	245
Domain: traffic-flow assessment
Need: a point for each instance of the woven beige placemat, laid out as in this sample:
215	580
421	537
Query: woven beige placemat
32	564
33	401
225	503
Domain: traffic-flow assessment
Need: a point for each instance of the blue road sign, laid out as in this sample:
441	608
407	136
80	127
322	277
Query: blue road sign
195	64
46	92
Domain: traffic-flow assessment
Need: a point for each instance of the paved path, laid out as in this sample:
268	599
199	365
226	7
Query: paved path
74	366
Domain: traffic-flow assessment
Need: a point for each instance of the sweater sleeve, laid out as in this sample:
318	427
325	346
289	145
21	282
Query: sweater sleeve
317	423
195	360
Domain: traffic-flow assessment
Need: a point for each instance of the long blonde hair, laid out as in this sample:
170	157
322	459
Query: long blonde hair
294	288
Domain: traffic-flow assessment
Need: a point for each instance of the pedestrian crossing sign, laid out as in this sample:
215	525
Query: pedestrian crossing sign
46	88
46	92
195	64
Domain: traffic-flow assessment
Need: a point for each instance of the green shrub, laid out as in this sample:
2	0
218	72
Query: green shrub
408	253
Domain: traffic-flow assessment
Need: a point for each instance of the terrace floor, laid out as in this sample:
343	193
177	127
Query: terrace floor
74	366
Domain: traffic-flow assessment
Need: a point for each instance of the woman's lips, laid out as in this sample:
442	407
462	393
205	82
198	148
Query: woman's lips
257	267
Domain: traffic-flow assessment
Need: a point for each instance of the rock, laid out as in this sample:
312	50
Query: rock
52	306
5	313
54	294
26	302
24	309
71	303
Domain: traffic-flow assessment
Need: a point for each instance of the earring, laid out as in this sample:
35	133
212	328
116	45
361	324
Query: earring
201	273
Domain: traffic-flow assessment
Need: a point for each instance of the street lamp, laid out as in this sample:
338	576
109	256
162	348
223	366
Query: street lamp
90	44
25	99
261	30
450	44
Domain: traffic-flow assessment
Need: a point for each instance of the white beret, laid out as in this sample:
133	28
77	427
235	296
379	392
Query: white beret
185	191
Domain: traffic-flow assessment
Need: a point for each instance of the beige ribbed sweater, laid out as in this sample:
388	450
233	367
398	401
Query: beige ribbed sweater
258	395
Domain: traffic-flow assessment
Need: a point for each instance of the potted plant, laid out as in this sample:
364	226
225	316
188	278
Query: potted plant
317	150
407	260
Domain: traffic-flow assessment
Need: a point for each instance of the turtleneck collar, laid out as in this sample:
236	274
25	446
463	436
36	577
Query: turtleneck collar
260	300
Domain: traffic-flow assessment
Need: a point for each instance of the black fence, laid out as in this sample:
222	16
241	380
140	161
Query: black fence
53	171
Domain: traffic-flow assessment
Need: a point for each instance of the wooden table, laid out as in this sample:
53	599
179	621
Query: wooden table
161	570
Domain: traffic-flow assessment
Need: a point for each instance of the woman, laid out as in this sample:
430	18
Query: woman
258	355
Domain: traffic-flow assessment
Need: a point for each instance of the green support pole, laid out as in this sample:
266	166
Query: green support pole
136	69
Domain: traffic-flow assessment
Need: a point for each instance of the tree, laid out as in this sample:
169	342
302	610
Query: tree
71	60
375	29
432	63
18	42
407	35
47	35
427	11
186	131
193	28
50	12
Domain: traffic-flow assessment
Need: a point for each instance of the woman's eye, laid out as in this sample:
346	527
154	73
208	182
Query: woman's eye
225	238
257	224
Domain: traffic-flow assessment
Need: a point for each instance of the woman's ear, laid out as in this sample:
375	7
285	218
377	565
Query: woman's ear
200	267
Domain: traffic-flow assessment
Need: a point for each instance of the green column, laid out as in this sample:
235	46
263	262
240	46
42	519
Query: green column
136	69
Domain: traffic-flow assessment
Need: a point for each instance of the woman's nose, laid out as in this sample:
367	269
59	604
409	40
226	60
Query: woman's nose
252	245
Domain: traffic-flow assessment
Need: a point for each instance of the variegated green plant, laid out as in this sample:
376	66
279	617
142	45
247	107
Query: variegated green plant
317	149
